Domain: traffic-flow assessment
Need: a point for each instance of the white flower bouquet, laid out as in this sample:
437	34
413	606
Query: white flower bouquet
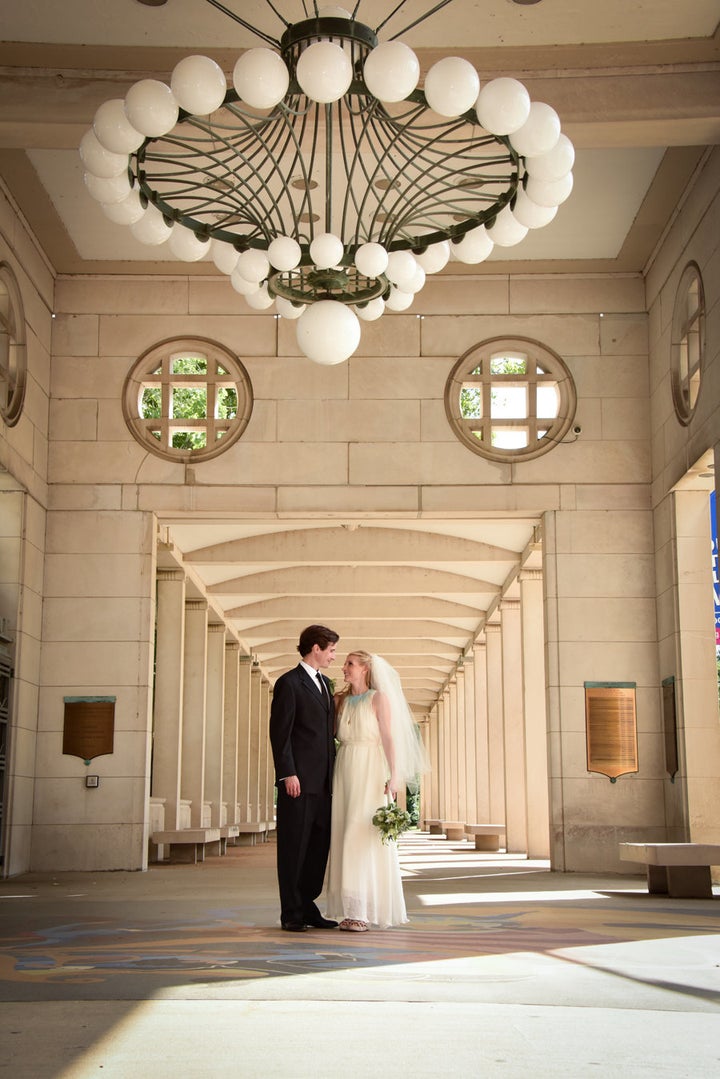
391	821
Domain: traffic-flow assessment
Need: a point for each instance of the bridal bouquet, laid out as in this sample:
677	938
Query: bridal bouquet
391	821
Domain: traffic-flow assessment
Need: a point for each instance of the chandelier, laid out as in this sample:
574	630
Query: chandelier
325	183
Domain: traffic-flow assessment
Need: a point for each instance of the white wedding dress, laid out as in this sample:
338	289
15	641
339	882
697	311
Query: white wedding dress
363	876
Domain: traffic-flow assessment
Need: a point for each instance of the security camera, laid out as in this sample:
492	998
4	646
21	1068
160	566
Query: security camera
577	429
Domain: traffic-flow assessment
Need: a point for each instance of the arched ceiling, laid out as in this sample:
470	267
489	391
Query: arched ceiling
417	592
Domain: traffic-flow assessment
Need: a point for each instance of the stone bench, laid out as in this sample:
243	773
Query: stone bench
453	829
189	844
252	832
487	836
679	870
433	827
228	834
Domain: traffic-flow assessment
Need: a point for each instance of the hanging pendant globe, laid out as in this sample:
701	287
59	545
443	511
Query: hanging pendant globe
151	108
391	71
503	106
328	332
324	72
261	78
198	85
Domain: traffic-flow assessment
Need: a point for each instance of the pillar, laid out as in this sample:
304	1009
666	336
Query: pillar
513	727
536	740
496	752
168	705
214	715
243	755
193	731
255	738
461	773
230	731
470	752
453	788
482	766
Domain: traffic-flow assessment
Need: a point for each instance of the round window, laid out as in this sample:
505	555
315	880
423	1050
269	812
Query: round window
13	351
510	398
688	342
187	399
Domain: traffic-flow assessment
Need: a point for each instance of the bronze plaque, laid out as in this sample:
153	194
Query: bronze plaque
89	726
670	726
611	725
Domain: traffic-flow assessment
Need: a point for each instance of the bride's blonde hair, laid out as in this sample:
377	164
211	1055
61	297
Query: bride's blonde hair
366	660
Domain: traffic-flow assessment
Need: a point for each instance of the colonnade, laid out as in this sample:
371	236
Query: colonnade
211	764
487	735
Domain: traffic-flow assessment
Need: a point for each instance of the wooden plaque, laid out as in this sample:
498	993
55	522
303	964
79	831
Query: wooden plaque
611	727
89	727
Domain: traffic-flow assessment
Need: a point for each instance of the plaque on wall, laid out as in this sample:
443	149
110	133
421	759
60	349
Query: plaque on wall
611	728
670	725
88	727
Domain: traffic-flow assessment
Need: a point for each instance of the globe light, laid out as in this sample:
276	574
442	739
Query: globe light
108	189
507	231
555	164
529	213
474	247
503	106
242	285
451	86
539	133
284	253
326	250
324	72
152	227
261	78
287	309
328	332
260	300
185	245
549	192
151	108
113	129
332	11
434	258
253	265
224	256
371	311
398	300
401	268
126	212
371	259
415	283
391	71
198	85
98	160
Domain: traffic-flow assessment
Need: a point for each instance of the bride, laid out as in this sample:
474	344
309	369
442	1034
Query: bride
379	752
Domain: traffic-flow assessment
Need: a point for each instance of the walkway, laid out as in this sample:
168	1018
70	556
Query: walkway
505	970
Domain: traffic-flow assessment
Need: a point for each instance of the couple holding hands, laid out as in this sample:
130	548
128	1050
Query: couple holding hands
325	804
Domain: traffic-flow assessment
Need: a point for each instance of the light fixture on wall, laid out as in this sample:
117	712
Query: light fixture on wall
325	183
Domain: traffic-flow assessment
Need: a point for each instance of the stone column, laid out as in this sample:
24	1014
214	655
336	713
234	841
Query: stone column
230	731
513	728
214	709
434	807
470	752
266	813
442	749
496	751
482	767
452	799
255	739
536	739
194	682
461	774
168	706
243	755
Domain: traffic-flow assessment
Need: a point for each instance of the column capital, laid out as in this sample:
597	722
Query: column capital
509	605
170	575
216	627
244	658
196	605
492	627
530	575
232	646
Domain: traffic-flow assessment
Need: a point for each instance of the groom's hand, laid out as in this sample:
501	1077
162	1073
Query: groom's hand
292	786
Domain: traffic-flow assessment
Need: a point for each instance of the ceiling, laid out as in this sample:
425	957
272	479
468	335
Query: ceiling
636	86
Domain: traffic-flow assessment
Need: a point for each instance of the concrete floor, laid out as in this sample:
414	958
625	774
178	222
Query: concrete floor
505	970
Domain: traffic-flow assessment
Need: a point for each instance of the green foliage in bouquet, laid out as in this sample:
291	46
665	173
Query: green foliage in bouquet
391	821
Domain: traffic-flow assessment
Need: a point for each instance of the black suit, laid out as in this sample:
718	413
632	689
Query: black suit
303	745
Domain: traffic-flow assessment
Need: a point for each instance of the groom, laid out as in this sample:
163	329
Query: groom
301	734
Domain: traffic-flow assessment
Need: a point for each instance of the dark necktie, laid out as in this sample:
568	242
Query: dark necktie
323	690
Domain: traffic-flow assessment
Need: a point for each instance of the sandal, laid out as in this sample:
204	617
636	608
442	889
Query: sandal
353	925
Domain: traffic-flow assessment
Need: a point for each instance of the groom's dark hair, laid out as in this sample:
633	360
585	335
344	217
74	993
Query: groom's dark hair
319	635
